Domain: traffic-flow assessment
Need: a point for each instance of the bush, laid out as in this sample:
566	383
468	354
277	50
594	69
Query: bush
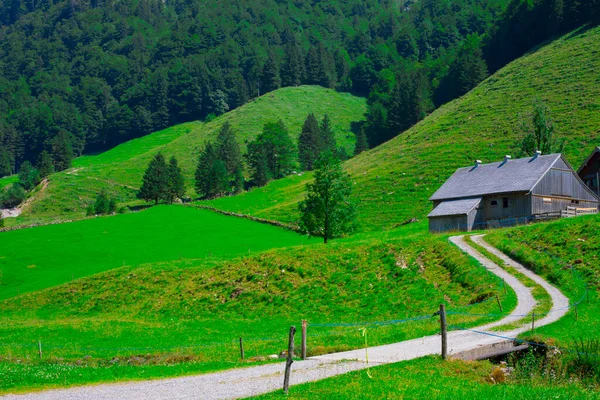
103	205
14	196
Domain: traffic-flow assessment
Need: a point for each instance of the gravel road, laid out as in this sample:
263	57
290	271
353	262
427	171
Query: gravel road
251	381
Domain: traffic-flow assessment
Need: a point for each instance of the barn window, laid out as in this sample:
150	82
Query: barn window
505	202
494	203
574	201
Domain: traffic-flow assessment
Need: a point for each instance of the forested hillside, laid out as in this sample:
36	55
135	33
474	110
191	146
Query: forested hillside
394	181
85	75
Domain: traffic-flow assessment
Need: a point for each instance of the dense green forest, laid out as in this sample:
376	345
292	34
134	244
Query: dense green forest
82	76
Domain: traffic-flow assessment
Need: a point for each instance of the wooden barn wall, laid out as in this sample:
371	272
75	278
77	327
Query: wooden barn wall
563	183
539	206
448	223
518	206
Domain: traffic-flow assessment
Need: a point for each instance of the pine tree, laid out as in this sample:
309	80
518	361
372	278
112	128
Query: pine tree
271	154
308	143
314	67
270	79
228	149
62	151
292	69
155	184
238	180
361	142
1	220
218	180
5	163
327	211
44	164
203	171
327	140
176	187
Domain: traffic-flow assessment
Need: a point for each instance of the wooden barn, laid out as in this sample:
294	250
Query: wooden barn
508	193
589	172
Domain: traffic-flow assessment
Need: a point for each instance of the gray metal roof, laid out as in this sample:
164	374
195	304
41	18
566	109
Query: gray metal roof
455	207
520	175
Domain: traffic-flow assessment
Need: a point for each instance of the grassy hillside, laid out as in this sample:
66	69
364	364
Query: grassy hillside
552	249
185	316
394	181
120	170
38	258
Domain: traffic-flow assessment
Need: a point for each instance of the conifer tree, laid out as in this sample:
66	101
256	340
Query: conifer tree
270	78
62	151
228	149
308	143
327	140
1	220
218	180
238	180
361	142
176	187
203	171
44	164
292	70
327	211
155	184
5	163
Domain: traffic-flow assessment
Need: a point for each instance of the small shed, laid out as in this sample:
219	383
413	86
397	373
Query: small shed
589	172
509	192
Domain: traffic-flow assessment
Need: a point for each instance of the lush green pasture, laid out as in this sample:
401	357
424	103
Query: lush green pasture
430	378
394	180
120	170
37	258
194	311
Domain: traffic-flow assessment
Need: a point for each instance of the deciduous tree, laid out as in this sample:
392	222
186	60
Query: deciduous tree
327	210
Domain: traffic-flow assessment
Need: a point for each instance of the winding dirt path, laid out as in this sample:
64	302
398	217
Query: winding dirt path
252	381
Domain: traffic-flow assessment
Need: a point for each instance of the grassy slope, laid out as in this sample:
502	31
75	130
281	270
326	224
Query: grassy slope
37	258
120	170
394	181
550	249
194	310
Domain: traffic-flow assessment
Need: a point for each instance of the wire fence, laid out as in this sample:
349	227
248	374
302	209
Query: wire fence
276	342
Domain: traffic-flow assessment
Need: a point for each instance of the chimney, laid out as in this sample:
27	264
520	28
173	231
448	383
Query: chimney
477	163
507	158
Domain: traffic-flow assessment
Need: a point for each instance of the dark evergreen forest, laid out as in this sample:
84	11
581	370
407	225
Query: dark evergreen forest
82	76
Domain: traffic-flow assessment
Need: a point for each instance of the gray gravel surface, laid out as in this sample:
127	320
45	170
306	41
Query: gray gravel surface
244	382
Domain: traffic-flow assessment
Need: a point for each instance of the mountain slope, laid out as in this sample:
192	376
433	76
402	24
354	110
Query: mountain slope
394	180
120	170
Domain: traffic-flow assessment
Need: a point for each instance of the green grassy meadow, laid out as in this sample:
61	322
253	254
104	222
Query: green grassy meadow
394	181
185	316
38	258
119	171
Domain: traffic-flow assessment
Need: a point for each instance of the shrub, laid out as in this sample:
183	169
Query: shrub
14	196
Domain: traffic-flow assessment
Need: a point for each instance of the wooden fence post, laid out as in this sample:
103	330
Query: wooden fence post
505	288
304	326
532	321
289	361
242	348
499	304
576	313
40	348
444	329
